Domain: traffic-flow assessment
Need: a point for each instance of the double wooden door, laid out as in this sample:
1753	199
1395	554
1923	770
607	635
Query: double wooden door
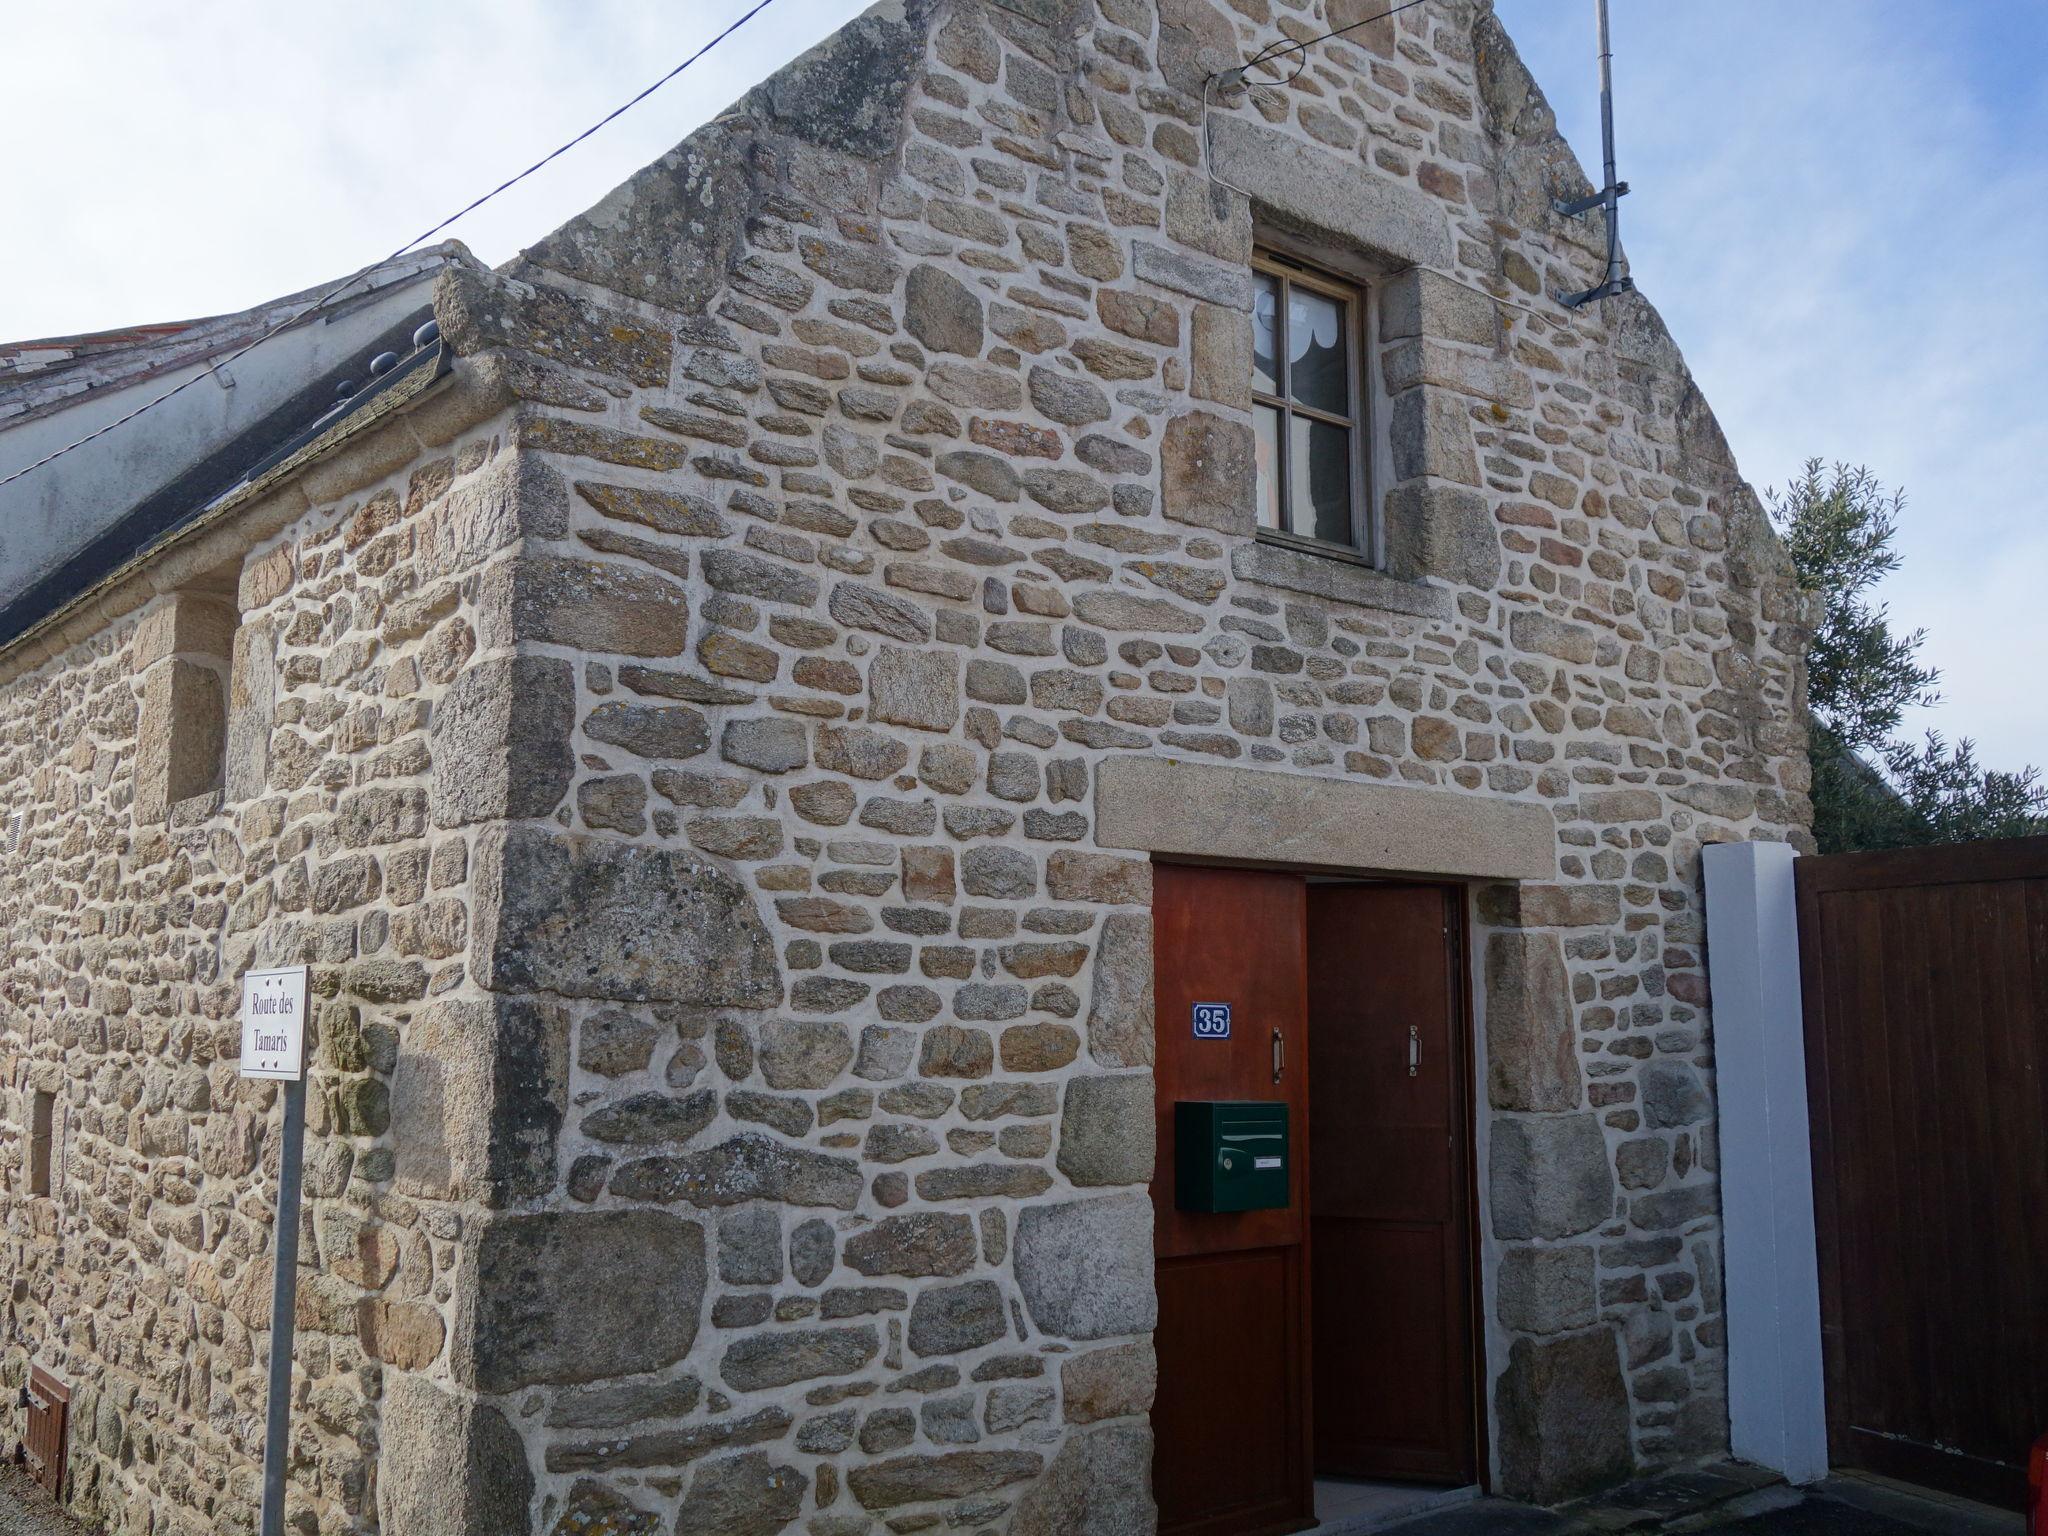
1332	1336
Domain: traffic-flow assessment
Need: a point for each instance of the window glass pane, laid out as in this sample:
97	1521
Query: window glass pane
1319	482
1315	352
1265	334
1266	420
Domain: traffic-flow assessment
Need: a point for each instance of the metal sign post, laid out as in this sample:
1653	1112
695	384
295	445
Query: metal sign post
274	1046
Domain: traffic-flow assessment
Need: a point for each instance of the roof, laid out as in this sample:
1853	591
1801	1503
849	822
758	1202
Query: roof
47	375
70	522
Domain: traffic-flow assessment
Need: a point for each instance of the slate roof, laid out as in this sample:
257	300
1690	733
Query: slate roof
40	379
50	374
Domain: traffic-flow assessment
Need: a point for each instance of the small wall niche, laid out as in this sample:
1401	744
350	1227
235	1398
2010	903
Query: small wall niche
183	655
41	1140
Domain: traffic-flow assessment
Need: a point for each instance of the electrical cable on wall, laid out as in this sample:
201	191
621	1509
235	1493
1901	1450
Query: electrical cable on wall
1232	79
1275	50
1614	279
418	240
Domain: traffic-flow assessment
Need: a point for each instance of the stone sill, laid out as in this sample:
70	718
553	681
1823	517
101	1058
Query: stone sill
1336	576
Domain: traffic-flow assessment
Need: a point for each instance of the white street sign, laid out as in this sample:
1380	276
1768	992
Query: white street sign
274	1023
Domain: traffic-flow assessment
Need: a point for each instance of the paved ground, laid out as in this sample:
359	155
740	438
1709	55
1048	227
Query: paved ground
1730	1502
26	1511
1866	1506
1742	1504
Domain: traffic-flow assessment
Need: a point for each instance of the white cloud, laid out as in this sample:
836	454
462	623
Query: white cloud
1841	208
196	159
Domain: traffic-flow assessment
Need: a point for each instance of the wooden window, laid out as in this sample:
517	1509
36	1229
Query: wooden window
1308	406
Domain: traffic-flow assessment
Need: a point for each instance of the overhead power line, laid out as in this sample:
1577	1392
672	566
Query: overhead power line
418	240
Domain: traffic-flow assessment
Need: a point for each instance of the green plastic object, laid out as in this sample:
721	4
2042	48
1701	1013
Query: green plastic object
1230	1156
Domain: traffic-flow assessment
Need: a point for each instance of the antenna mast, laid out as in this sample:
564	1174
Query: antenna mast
1609	196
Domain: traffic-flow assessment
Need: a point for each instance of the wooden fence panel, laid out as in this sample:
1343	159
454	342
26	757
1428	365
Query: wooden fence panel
1926	992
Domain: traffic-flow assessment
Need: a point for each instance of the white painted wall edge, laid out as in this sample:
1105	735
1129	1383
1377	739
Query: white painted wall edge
1776	1394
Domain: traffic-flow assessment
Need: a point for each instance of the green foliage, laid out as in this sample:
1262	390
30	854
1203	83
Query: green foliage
1953	799
1854	806
1871	790
1838	527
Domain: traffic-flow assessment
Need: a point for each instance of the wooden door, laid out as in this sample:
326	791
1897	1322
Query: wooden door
1925	983
1231	1418
1390	1192
45	1440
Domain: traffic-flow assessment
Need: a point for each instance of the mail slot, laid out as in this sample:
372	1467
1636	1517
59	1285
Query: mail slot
1230	1156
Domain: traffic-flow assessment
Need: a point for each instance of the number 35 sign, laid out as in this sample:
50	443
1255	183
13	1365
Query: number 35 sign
1212	1021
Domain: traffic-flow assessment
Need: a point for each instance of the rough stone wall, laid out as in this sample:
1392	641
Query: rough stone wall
768	1090
334	836
941	496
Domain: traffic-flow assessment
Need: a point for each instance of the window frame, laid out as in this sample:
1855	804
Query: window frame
1356	297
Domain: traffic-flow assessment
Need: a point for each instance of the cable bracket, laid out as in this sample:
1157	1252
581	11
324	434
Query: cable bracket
1606	290
1580	206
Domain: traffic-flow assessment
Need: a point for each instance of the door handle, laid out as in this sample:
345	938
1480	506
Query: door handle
1414	1049
1279	1055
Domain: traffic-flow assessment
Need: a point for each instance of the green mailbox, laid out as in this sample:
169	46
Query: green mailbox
1230	1156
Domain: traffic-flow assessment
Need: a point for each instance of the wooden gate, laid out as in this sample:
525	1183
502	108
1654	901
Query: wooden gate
1925	975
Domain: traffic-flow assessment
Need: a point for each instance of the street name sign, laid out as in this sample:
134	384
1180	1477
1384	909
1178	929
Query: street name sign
274	1046
274	1023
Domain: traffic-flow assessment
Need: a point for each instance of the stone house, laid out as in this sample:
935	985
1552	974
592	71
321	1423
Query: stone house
753	735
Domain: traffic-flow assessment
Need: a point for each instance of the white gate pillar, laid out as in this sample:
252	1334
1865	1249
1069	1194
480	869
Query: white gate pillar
1776	1399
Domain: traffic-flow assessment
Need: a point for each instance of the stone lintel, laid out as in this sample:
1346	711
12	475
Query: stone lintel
1165	806
1337	579
1307	186
184	624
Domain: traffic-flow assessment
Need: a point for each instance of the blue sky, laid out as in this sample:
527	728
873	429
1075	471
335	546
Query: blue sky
1841	209
1840	206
